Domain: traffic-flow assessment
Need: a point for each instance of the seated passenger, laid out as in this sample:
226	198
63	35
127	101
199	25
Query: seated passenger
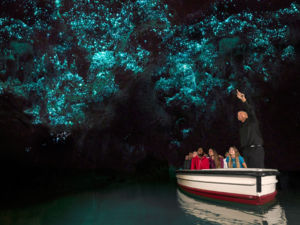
215	160
190	158
234	160
224	160
204	162
186	158
187	162
195	165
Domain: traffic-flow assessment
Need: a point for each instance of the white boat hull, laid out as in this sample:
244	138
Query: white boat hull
250	186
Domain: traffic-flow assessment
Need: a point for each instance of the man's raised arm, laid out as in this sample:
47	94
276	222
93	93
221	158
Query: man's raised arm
249	108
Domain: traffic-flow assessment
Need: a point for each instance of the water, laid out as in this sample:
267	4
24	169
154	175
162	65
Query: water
158	204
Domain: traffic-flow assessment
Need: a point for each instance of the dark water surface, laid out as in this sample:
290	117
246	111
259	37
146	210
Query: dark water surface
157	204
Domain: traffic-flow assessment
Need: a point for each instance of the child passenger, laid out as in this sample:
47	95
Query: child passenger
215	161
234	160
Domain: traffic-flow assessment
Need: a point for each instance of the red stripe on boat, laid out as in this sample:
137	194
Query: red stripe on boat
245	199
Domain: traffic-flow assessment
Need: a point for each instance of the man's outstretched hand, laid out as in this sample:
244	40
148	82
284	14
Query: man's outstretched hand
240	96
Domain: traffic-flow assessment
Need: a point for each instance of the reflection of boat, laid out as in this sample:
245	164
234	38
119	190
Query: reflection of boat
249	186
218	213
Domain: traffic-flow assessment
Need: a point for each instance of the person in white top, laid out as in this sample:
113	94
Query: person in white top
225	163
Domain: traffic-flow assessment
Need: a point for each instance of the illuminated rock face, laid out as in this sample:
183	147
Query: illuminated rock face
77	60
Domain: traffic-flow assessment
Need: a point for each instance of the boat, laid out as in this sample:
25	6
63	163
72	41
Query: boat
222	213
242	185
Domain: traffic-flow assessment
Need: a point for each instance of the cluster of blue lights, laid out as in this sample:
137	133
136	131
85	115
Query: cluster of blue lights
129	35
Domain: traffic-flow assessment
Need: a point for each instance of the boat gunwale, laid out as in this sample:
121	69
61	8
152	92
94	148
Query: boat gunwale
212	182
230	172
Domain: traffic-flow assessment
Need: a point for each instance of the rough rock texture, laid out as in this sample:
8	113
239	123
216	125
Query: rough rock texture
129	78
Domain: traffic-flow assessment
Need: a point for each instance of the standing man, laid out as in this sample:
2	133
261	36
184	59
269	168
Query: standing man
250	135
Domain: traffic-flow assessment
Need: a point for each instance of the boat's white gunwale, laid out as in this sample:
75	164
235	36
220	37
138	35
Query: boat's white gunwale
236	169
230	172
238	184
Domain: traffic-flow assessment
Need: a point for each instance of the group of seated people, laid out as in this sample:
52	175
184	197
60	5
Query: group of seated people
198	160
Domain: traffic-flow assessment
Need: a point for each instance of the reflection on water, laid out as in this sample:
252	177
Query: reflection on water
226	213
157	204
128	205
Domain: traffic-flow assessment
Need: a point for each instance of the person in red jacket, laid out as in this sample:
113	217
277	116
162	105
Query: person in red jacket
195	165
203	160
